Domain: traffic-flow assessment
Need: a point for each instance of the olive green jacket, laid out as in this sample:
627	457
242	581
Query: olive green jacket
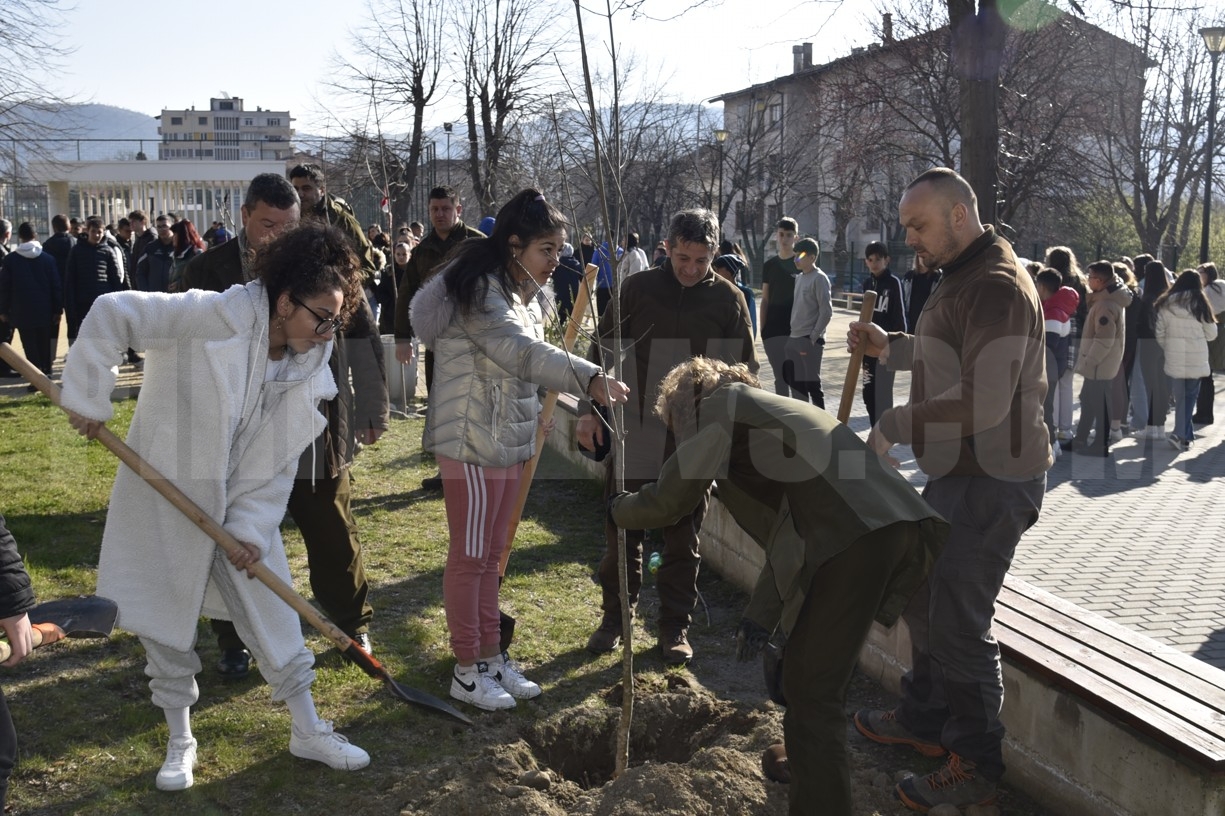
801	484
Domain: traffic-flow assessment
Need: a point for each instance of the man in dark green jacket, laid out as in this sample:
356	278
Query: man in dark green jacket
308	180
320	501
847	541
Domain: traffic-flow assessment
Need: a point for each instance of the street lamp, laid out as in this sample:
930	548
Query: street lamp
1214	39
447	127
721	137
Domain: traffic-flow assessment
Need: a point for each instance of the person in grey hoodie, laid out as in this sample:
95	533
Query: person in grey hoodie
811	311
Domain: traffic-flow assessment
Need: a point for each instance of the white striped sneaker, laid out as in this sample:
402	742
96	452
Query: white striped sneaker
506	672
478	686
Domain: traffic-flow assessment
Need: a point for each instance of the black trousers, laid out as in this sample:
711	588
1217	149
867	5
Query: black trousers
877	388
1094	412
1203	403
39	346
333	556
6	336
8	748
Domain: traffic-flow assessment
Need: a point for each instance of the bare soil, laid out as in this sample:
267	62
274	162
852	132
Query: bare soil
696	745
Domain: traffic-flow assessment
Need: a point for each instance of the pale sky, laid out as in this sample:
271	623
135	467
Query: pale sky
278	55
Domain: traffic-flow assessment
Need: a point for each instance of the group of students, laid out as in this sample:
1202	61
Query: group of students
1140	337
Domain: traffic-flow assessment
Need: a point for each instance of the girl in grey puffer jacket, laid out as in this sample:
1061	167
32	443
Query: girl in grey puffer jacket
481	315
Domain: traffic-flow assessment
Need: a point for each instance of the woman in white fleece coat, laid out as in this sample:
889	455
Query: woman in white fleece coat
481	317
232	382
1185	326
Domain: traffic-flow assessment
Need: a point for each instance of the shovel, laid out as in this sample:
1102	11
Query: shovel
227	542
85	617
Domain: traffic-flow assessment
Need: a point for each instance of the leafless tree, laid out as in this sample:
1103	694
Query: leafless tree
504	48
1152	154
400	47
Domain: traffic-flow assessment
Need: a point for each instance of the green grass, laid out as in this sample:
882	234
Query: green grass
90	739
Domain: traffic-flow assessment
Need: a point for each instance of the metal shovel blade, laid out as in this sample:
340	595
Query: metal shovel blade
87	616
367	663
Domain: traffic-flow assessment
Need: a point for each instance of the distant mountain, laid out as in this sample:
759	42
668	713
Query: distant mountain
110	122
94	122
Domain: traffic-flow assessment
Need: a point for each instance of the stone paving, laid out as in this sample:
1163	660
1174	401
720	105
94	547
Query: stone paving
1139	538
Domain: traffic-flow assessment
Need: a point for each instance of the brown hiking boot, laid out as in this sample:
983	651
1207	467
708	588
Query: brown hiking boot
607	637
674	647
957	783
883	727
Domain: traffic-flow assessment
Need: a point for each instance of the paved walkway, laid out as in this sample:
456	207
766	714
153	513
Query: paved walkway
1139	539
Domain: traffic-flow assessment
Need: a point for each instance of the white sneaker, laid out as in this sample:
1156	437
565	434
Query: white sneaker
506	672
1155	432
176	772
1116	434
328	747
477	685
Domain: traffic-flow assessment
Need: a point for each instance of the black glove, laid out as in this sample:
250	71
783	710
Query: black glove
750	640
611	501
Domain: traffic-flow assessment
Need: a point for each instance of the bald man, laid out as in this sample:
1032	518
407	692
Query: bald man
974	420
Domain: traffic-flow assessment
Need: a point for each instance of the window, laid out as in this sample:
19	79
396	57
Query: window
274	122
248	122
226	105
176	120
204	120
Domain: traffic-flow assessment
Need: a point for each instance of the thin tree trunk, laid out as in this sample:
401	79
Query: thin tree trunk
621	760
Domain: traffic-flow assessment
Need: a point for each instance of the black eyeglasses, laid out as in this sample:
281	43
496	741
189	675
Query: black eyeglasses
326	324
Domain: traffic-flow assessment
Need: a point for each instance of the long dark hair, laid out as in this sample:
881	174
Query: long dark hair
478	261
1155	281
1189	291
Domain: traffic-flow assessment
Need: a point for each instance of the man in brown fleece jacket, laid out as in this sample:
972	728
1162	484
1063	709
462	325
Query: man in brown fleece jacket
974	420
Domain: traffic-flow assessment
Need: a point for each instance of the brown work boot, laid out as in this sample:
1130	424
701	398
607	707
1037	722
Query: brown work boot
606	638
883	727
674	646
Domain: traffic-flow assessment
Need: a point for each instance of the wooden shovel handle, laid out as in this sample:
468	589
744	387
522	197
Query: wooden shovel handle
185	505
44	635
852	369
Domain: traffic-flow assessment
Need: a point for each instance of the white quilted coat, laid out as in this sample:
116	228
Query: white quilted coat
1184	339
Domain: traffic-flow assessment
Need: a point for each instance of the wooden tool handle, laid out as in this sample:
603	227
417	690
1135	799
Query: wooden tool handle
184	504
44	635
852	369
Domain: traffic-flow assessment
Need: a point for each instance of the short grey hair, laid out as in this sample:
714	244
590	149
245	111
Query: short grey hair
696	226
6	226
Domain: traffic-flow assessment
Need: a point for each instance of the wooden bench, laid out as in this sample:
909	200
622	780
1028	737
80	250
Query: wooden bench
1171	697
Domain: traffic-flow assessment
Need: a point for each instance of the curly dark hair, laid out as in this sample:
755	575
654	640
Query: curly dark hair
308	260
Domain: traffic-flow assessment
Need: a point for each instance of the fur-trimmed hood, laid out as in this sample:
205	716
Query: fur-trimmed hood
432	309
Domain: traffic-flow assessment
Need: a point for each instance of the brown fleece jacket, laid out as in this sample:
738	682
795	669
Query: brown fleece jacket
979	377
